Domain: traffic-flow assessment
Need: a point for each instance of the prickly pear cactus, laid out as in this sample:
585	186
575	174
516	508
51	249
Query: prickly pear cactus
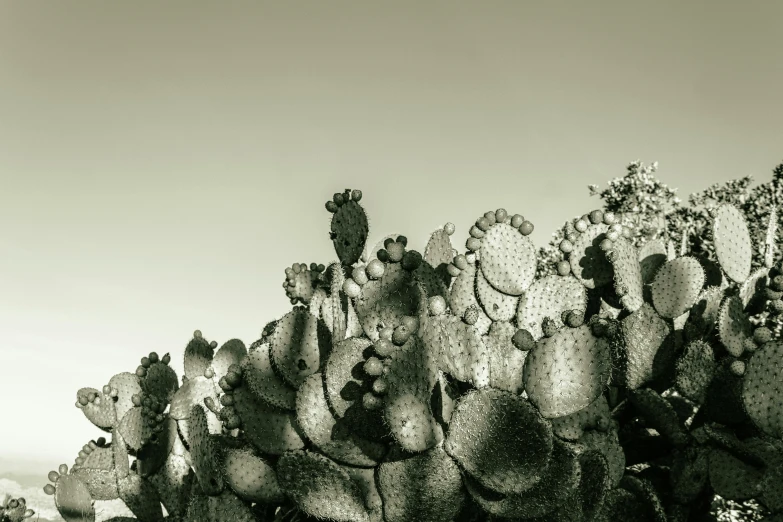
450	386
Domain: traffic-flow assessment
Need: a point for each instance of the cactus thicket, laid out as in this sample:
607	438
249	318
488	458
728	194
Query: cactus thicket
626	383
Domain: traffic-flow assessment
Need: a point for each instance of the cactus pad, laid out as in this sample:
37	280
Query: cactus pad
320	487
635	359
506	362
463	296
549	296
571	427
261	379
566	372
651	255
588	261
98	407
349	230
560	478
732	242
628	282
387	300
733	326
140	497
250	476
508	259
497	305
677	286
231	352
762	393
695	370
521	438
73	500
731	477
204	453
198	356
427	486
299	346
332	436
270	430
192	392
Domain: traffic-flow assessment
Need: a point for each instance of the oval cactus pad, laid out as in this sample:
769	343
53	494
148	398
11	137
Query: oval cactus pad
320	487
732	242
677	286
500	440
566	372
762	389
508	259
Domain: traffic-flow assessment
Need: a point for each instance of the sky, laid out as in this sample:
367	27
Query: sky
162	163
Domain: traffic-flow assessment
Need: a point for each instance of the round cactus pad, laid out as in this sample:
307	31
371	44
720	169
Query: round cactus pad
549	296
560	479
320	487
232	352
500	440
333	436
250	476
677	286
260	377
732	242
566	372
427	486
508	259
762	389
439	250
160	382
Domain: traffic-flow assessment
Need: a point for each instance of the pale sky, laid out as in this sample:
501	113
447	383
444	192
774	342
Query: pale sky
162	163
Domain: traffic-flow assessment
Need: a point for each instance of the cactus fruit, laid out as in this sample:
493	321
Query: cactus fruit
628	384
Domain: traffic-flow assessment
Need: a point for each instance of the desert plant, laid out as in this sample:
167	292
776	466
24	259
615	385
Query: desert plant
443	386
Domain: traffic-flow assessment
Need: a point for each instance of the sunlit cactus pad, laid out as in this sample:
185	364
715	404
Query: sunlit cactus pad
614	376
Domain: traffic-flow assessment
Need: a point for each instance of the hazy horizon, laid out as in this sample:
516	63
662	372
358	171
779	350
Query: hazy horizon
163	163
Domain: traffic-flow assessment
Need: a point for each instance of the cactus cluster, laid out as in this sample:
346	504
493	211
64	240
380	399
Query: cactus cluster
628	384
